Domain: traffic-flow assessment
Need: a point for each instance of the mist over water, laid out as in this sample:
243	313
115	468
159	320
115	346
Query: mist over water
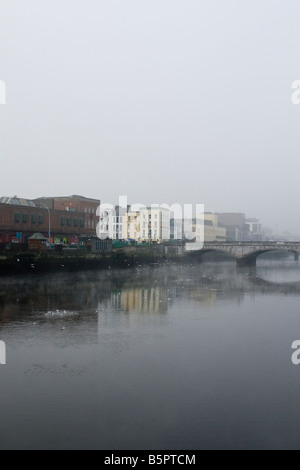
170	357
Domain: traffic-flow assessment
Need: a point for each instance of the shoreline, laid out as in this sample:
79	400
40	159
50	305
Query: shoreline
24	263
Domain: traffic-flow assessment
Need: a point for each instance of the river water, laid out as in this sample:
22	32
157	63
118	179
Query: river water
172	357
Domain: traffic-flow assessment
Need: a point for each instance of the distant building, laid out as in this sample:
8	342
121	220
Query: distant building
232	233
75	203
143	225
212	231
176	229
240	229
256	229
236	219
117	224
113	223
154	224
104	229
21	218
133	224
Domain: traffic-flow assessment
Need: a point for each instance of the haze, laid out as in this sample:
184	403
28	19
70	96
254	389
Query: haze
163	101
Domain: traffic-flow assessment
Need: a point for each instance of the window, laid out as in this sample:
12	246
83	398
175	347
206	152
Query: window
81	222
24	218
62	221
69	221
33	218
17	217
75	222
41	219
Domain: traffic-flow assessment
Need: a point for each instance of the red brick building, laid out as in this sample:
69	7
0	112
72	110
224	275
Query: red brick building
70	218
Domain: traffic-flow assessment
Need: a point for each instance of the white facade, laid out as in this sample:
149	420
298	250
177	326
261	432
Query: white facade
154	224
149	224
112	224
119	227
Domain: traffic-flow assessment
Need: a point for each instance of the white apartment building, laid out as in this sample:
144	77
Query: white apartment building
112	224
154	224
148	224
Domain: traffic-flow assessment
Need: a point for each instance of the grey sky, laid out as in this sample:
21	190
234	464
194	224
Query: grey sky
170	101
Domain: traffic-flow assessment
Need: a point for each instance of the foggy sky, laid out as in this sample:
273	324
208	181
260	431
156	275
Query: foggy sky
165	101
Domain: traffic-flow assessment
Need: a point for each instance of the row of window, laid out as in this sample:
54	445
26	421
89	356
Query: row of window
35	218
39	219
149	225
67	221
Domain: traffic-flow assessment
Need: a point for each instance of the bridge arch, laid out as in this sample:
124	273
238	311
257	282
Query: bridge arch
252	257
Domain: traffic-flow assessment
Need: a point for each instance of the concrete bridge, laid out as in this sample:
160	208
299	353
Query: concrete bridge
244	252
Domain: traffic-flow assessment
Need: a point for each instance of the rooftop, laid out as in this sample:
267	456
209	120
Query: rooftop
17	201
37	236
74	197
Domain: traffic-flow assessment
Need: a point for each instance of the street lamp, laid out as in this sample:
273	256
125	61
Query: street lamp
49	230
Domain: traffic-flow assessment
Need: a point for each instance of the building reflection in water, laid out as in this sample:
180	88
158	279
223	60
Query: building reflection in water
76	301
140	299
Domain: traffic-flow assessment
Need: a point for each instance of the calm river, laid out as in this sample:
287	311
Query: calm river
194	357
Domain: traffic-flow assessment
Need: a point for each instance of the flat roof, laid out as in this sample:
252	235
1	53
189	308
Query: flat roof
74	197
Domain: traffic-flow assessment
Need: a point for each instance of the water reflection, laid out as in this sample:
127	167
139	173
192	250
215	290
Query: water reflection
77	298
283	269
167	357
140	299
